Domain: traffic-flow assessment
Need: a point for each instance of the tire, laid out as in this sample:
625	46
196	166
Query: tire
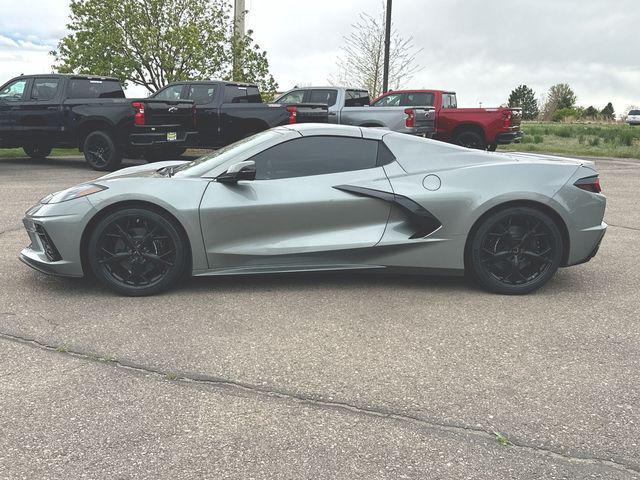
515	251
137	252
165	153
492	147
100	151
37	151
470	139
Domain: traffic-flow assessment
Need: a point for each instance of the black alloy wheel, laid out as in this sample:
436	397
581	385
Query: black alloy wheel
470	139
37	151
137	252
100	151
516	251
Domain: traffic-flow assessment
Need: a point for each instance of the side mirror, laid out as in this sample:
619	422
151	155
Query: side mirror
239	171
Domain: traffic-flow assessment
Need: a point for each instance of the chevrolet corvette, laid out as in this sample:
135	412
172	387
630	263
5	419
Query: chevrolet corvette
315	197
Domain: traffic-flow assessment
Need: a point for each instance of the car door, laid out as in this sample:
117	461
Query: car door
42	118
11	101
292	216
207	114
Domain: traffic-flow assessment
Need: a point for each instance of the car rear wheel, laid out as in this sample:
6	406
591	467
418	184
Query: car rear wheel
137	252
515	251
492	147
470	139
101	153
37	151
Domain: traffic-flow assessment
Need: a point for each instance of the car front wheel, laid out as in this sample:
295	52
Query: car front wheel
137	252
515	251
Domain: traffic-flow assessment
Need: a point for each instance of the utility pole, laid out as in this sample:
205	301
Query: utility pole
238	34
387	46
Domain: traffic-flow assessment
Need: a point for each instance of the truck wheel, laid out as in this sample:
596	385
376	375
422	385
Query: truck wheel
492	147
470	139
100	152
37	151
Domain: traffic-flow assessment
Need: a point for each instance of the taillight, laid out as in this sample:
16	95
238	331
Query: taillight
138	117
590	184
506	119
411	117
194	112
293	114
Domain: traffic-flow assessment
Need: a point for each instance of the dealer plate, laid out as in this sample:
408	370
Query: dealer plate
172	136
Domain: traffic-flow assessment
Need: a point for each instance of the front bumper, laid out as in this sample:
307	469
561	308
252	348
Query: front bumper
55	232
152	136
509	137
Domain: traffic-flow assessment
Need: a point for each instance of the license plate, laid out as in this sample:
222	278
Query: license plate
172	136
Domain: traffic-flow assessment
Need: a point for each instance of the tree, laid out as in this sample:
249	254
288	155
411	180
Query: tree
607	112
560	96
591	112
524	97
362	60
154	42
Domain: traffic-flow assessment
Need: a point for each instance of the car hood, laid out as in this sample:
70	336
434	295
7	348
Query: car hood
146	170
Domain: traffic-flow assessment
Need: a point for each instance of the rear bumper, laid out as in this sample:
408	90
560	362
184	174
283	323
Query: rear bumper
160	136
509	137
585	244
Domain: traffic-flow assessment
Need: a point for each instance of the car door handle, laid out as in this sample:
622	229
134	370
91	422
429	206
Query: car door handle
52	108
333	114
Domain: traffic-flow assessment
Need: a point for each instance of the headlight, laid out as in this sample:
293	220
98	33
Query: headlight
73	192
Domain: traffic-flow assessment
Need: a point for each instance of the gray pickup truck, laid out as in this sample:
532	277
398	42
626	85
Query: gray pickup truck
350	106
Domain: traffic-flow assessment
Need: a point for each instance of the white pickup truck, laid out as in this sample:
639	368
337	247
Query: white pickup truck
350	106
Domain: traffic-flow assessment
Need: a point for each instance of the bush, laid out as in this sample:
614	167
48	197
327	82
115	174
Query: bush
626	139
538	139
594	142
564	132
527	139
565	113
581	139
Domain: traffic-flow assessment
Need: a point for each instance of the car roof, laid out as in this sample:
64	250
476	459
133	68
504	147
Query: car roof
330	129
68	75
205	82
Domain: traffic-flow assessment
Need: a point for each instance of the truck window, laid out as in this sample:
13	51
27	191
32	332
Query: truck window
202	94
241	94
319	155
327	97
391	100
172	93
14	91
449	100
89	88
297	96
44	88
356	98
418	99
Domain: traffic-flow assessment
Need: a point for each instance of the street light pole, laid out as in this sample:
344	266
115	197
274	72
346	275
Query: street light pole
238	34
387	46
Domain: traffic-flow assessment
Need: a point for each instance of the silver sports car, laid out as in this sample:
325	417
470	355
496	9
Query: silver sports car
325	197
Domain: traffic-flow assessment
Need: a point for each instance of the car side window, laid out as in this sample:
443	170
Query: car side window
319	155
202	94
327	97
172	93
391	100
356	98
44	89
449	100
417	99
296	96
14	91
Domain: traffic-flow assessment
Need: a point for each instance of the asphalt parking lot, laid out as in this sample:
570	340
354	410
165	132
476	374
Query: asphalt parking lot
320	376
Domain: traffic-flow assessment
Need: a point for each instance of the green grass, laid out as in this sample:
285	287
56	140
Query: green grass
57	152
588	139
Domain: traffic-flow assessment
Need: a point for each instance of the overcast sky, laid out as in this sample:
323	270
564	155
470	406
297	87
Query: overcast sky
481	49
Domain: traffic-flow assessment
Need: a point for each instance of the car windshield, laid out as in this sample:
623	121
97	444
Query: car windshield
220	156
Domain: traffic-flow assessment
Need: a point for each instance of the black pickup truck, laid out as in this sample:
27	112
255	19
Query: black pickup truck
40	112
229	111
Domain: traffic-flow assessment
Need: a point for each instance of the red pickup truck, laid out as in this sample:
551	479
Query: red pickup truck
482	128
